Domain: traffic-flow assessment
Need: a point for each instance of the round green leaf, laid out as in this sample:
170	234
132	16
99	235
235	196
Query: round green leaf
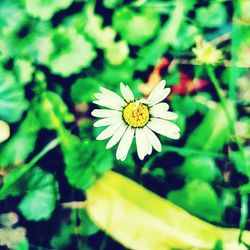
12	99
199	198
136	28
199	167
85	161
83	89
71	52
215	15
41	195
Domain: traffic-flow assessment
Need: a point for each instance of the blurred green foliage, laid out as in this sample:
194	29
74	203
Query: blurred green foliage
56	54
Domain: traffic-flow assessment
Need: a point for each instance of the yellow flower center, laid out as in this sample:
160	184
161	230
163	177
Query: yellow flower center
136	114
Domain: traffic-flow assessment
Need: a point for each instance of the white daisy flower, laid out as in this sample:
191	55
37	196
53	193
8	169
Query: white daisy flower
126	118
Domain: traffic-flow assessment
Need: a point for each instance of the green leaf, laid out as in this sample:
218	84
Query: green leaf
149	55
86	227
102	37
112	75
12	99
10	9
69	46
24	70
41	48
83	89
136	28
63	237
213	16
200	199
22	245
21	144
50	108
139	219
218	245
185	37
213	131
19	43
41	193
85	161
110	4
241	163
185	105
45	9
117	53
199	167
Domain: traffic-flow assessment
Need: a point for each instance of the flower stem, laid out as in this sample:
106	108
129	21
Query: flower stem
24	169
231	120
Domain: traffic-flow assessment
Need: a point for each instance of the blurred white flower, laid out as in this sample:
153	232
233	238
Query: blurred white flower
127	118
206	52
4	131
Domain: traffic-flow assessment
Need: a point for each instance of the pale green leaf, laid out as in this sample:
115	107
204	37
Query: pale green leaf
139	219
24	70
136	28
45	9
71	52
117	53
215	15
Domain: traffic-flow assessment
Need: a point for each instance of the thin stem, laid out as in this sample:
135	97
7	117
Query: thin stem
75	205
44	151
244	197
244	214
24	169
231	120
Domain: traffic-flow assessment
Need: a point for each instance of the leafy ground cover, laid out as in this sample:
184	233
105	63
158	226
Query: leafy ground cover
55	55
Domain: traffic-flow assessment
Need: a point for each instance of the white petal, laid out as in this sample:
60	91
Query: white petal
160	96
125	144
116	136
139	144
123	91
130	93
126	92
160	113
105	113
153	139
164	127
109	98
107	121
143	145
107	104
113	95
159	87
160	106
147	141
109	131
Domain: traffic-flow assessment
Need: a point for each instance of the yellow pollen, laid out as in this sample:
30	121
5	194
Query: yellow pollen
136	115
